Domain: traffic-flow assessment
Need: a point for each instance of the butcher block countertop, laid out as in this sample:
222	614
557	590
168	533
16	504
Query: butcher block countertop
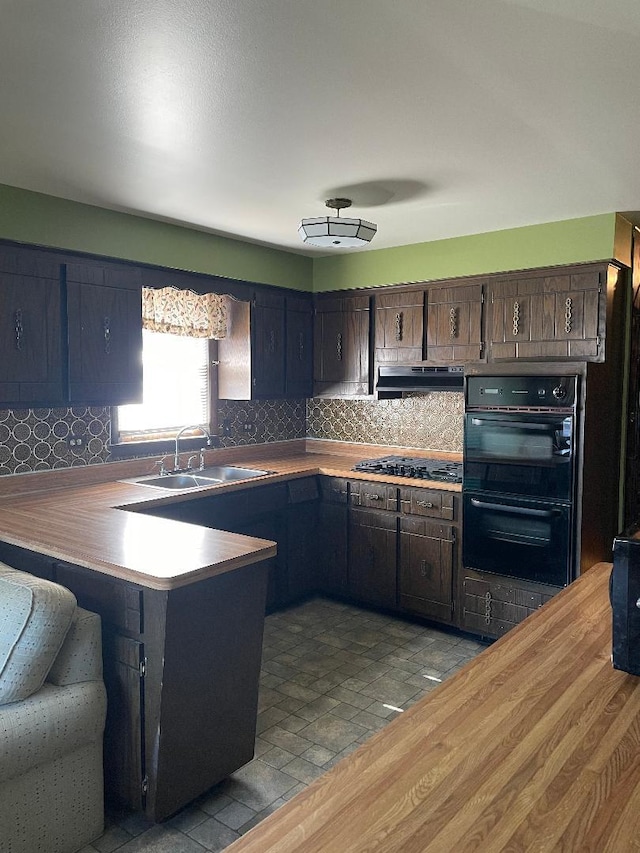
83	515
534	745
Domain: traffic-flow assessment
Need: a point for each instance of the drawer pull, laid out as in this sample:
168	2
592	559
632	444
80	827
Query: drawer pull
424	568
516	318
373	497
487	608
339	346
426	504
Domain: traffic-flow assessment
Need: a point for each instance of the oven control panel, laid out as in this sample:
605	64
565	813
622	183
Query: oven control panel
521	392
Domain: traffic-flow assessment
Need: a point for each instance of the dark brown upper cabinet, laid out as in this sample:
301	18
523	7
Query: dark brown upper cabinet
68	332
104	312
341	346
31	357
399	324
560	314
454	323
299	347
268	345
267	353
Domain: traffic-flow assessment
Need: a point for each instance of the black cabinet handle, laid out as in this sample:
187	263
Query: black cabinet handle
106	328
18	328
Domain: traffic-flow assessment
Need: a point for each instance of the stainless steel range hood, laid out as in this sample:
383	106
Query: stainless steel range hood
393	382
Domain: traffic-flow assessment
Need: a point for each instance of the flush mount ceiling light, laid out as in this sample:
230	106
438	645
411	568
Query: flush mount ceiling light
330	231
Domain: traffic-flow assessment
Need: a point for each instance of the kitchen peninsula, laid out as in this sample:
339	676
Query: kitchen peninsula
182	608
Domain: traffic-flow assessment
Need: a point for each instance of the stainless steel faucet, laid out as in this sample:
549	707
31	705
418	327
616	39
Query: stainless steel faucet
176	457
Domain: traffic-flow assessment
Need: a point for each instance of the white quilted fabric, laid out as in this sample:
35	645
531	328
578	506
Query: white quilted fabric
34	620
80	658
49	724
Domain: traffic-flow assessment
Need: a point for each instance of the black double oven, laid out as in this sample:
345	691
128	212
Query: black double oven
519	476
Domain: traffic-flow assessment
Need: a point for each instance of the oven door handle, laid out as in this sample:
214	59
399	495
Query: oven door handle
550	427
518	510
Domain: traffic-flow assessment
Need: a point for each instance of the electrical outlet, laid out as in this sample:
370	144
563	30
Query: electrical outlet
248	427
75	441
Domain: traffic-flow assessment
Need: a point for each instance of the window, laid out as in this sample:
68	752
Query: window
176	388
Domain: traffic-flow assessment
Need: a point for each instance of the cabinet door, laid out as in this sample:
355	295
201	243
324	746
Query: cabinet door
341	347
299	355
31	368
372	557
124	763
331	548
267	339
426	567
553	316
399	327
454	324
105	335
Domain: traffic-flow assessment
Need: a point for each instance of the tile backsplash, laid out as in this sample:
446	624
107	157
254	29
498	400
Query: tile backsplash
430	422
40	439
43	439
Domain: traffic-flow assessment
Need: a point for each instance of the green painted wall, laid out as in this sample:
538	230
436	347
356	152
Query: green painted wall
29	217
571	241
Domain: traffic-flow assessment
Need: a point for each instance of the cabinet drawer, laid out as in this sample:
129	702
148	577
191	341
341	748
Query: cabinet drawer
428	502
493	607
374	495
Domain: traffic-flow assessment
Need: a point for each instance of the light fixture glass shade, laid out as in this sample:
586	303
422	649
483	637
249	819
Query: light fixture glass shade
336	232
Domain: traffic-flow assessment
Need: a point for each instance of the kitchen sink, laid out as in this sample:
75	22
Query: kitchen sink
178	481
228	473
211	476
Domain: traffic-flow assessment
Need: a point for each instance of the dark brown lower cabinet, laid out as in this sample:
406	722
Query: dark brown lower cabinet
492	605
372	556
181	669
426	567
332	537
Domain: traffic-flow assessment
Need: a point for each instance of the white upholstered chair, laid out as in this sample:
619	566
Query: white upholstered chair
52	714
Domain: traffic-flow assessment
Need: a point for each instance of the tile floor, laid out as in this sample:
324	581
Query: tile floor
332	675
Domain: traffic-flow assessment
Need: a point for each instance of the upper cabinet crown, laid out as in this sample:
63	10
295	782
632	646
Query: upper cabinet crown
68	332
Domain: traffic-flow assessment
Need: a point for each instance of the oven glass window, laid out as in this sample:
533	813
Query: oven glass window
529	455
517	538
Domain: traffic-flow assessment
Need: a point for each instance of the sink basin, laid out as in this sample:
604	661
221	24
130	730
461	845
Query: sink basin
179	481
228	473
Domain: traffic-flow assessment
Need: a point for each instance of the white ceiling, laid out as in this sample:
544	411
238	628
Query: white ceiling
438	117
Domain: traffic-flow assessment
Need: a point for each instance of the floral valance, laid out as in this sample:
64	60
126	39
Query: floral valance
183	312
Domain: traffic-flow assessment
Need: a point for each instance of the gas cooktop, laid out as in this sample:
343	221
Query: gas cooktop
413	466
